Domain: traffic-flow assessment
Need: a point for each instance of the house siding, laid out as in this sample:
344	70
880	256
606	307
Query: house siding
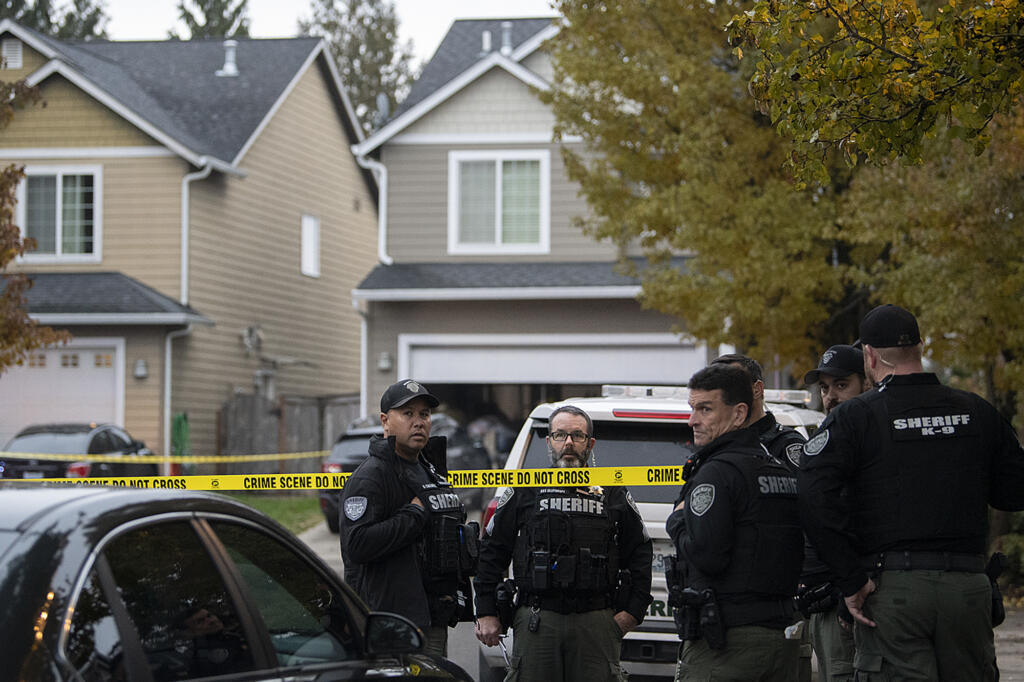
71	118
245	258
390	319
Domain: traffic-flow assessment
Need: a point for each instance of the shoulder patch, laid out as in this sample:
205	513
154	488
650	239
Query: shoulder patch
816	444
505	497
701	499
793	451
355	507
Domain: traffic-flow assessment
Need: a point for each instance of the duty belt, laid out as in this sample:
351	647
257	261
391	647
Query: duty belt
569	604
926	561
734	615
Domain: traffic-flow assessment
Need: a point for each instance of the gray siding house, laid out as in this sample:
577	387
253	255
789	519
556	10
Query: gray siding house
484	289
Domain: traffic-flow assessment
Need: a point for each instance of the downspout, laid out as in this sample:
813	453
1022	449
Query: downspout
363	353
185	182
167	393
382	206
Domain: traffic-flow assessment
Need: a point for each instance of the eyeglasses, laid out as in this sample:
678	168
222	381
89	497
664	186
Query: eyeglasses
577	436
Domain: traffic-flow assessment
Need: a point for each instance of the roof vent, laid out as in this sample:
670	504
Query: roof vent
506	38
485	43
229	68
10	57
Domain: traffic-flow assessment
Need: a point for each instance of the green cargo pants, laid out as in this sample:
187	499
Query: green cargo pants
833	645
752	654
931	625
574	647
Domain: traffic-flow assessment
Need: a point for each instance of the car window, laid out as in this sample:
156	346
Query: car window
53	443
351	447
119	440
307	619
94	644
186	622
628	444
101	443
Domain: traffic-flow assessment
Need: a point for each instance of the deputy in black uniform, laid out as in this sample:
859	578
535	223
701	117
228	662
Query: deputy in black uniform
738	542
403	540
783	442
582	567
921	463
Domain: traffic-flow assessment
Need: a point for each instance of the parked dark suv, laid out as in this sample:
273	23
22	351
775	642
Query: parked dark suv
349	451
71	440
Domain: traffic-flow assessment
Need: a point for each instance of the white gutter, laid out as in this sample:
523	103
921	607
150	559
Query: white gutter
382	205
185	182
167	392
363	354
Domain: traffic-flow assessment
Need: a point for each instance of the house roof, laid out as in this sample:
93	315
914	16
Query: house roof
460	60
170	89
521	280
102	298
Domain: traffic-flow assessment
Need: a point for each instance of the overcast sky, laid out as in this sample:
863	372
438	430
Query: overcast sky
424	21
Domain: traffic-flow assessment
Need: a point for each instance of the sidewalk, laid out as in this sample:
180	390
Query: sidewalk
1010	647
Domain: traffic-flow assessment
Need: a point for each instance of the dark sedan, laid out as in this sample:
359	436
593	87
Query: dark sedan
114	584
71	440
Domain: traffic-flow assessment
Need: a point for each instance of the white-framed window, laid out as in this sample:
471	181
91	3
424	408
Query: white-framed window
310	246
499	201
61	207
10	53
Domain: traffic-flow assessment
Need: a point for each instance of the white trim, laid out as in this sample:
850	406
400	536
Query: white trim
543	244
497	293
343	92
406	342
60	170
364	350
382	203
104	98
71	319
541	137
495	59
152	151
533	44
9	25
118	342
186	226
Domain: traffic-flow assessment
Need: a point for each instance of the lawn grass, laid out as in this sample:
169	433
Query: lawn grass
295	512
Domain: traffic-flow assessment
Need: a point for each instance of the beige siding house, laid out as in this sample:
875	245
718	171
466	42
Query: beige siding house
485	290
200	222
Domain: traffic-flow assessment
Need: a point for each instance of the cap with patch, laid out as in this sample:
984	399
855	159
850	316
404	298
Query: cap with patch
401	392
888	326
837	361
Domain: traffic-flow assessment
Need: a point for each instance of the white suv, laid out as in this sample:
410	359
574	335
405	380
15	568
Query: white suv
638	426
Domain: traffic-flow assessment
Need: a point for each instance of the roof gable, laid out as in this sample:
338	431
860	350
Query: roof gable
459	61
170	89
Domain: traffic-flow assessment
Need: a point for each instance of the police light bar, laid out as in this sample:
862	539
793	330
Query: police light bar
650	414
631	391
789	396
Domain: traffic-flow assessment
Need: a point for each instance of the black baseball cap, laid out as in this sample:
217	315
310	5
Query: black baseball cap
837	361
401	392
888	326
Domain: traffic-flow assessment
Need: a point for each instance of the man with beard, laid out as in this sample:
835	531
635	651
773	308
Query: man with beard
582	565
736	530
840	376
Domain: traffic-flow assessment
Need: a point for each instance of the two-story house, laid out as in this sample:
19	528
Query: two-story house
200	223
485	289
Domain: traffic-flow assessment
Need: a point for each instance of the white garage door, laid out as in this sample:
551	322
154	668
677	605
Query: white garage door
80	382
549	358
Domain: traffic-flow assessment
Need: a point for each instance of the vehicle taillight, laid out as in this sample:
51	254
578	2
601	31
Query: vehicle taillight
488	513
78	470
330	468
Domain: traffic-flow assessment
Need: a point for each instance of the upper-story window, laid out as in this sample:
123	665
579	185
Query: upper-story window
499	202
310	246
61	208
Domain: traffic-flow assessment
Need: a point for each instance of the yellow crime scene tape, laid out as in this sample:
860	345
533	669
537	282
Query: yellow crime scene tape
160	459
479	478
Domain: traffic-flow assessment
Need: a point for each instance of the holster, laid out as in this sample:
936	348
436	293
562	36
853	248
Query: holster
505	600
997	563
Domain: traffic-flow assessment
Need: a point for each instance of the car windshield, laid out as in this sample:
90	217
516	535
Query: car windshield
51	443
356	446
628	444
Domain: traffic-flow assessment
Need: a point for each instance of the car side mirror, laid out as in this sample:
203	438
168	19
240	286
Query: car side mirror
390	633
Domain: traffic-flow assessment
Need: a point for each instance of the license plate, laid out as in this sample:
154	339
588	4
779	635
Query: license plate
662	550
32	474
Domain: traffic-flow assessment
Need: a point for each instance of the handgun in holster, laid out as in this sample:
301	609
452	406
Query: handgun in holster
623	590
685	602
711	624
817	599
997	563
505	600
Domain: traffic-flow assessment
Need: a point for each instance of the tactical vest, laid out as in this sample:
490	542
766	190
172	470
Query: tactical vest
926	486
448	549
767	549
569	545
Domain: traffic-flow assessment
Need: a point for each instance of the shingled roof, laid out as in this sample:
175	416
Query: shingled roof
99	297
173	85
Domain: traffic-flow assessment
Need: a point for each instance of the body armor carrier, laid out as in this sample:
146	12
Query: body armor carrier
568	546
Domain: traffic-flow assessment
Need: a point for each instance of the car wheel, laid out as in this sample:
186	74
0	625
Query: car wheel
487	673
332	522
